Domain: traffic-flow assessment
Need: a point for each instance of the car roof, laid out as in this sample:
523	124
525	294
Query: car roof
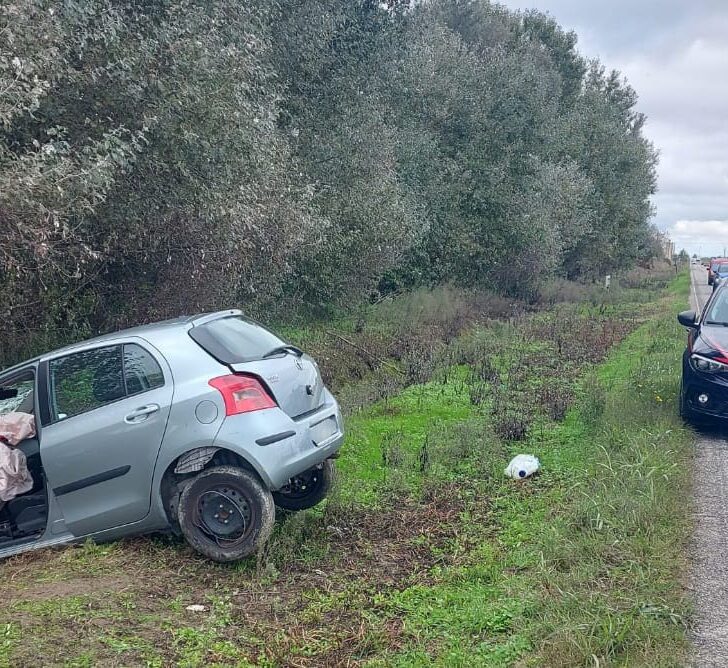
149	331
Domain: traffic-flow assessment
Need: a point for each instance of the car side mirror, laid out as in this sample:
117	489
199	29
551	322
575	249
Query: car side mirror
688	319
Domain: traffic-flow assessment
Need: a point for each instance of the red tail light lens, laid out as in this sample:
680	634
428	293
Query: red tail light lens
242	394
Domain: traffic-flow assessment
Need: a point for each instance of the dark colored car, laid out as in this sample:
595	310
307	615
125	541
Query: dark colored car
704	388
713	266
720	273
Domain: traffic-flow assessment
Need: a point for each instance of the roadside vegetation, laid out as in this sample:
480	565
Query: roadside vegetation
159	158
427	198
425	554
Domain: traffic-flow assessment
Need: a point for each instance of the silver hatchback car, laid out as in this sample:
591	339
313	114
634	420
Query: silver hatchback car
199	425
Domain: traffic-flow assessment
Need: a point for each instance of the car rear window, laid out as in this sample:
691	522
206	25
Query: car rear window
235	339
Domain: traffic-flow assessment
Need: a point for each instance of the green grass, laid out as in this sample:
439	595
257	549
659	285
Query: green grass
585	567
389	437
580	565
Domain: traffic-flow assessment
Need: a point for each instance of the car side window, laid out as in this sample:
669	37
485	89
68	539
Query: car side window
141	370
17	394
86	380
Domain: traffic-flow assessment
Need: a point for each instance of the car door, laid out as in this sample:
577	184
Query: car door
107	410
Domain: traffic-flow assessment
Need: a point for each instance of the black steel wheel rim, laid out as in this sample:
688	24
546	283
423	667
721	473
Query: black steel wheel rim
224	515
304	484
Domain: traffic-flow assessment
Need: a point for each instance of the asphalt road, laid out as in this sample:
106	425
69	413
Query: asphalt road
700	290
709	550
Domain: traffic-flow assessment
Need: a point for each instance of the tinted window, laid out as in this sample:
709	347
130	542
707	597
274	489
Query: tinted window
141	370
17	395
235	339
83	381
717	310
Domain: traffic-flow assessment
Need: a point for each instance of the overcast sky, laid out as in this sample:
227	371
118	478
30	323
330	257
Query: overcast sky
675	54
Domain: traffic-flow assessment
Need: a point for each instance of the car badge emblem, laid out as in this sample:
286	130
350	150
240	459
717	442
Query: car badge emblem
299	364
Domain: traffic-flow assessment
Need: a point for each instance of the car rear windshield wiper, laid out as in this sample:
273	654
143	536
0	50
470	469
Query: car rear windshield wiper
284	350
715	322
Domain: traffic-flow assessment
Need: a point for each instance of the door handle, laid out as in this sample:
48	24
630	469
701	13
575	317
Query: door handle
141	413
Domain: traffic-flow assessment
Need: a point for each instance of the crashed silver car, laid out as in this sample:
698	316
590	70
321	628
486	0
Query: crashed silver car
200	425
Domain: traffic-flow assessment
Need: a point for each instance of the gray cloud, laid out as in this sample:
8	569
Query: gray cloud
675	55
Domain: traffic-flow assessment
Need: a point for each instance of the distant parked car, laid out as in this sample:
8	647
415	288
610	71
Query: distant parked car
199	425
712	266
704	387
720	273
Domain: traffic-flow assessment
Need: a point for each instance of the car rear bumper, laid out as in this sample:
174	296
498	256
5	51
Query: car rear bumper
279	447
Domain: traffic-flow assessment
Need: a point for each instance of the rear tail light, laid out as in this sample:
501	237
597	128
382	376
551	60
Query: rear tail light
242	394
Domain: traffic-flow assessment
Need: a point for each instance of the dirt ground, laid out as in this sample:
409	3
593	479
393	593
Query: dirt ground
124	602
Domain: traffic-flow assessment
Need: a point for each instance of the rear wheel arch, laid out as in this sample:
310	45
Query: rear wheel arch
172	484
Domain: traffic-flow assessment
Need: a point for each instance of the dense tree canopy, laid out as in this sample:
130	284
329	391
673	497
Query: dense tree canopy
168	156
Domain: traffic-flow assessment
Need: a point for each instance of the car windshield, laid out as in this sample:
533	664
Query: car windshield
722	268
717	313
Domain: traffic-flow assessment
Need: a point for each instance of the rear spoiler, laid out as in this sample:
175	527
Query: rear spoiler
209	317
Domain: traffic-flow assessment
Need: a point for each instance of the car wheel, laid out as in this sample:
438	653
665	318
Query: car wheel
226	513
307	489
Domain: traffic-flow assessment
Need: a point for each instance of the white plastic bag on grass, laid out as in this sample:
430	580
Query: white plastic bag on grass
522	466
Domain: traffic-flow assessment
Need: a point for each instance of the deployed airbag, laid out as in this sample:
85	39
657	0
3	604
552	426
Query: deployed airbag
15	479
15	427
